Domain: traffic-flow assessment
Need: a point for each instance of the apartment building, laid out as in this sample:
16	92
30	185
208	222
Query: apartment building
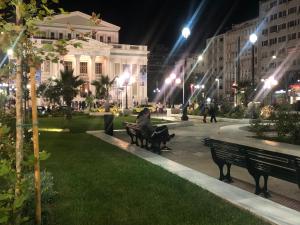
238	55
214	58
279	40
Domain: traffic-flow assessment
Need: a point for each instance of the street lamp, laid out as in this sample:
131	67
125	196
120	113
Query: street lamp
125	78
10	52
186	32
218	90
253	39
172	79
269	84
200	58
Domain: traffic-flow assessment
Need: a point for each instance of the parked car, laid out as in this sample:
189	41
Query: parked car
139	108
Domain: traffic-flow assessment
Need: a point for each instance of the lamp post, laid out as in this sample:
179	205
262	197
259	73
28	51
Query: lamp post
172	79
269	84
186	32
253	39
218	90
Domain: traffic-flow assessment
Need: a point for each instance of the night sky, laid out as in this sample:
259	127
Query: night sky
153	22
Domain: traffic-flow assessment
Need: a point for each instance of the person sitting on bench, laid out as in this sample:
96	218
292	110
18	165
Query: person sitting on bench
155	134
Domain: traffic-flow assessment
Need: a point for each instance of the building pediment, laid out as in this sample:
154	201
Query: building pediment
81	19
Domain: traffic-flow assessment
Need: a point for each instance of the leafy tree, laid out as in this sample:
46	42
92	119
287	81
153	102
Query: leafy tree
103	86
50	91
68	85
18	24
89	100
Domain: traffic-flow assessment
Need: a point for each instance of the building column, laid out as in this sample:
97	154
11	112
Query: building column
77	65
92	74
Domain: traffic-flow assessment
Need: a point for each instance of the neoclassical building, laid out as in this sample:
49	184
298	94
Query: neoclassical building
100	54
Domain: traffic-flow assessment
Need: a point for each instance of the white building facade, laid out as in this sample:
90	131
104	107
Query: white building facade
100	54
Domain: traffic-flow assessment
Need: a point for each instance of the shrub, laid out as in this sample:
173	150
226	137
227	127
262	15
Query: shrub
48	194
284	123
258	127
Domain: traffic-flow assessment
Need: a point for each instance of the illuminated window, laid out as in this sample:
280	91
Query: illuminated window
98	68
83	67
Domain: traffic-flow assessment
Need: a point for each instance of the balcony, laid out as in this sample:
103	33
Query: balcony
130	47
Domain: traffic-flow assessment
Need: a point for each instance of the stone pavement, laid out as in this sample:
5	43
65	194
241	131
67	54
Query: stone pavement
188	150
264	208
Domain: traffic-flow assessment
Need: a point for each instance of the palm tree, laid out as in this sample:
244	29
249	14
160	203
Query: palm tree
103	86
68	85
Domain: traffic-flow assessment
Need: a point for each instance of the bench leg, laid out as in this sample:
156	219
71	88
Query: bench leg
228	177
225	177
137	141
132	141
264	189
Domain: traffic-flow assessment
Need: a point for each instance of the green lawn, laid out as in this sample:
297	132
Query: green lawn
101	184
83	123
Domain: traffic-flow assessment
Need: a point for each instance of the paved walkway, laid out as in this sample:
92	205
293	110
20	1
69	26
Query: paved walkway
262	207
188	150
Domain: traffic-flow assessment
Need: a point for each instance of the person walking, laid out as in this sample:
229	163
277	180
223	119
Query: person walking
213	113
204	111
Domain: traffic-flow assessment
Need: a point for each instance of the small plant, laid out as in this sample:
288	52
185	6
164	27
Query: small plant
266	112
48	194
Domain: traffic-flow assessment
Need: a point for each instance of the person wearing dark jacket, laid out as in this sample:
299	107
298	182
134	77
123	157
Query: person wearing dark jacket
213	113
150	131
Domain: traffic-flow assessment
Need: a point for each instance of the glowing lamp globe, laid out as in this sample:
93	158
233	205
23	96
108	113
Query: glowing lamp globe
253	38
186	32
178	81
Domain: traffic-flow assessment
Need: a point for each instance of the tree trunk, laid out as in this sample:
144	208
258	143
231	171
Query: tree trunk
69	110
37	175
19	120
19	125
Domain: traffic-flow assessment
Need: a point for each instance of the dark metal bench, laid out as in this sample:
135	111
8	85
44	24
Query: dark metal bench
259	163
137	138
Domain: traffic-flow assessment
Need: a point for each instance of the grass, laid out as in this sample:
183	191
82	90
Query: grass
79	124
100	184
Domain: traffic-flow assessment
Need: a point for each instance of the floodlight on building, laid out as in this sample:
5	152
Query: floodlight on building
173	76
274	57
178	81
168	81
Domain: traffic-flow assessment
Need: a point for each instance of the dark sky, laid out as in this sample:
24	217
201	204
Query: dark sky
154	22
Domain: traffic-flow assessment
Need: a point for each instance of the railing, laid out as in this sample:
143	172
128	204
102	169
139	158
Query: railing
130	47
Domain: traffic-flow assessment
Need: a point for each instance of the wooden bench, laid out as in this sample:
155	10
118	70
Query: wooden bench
259	163
137	138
